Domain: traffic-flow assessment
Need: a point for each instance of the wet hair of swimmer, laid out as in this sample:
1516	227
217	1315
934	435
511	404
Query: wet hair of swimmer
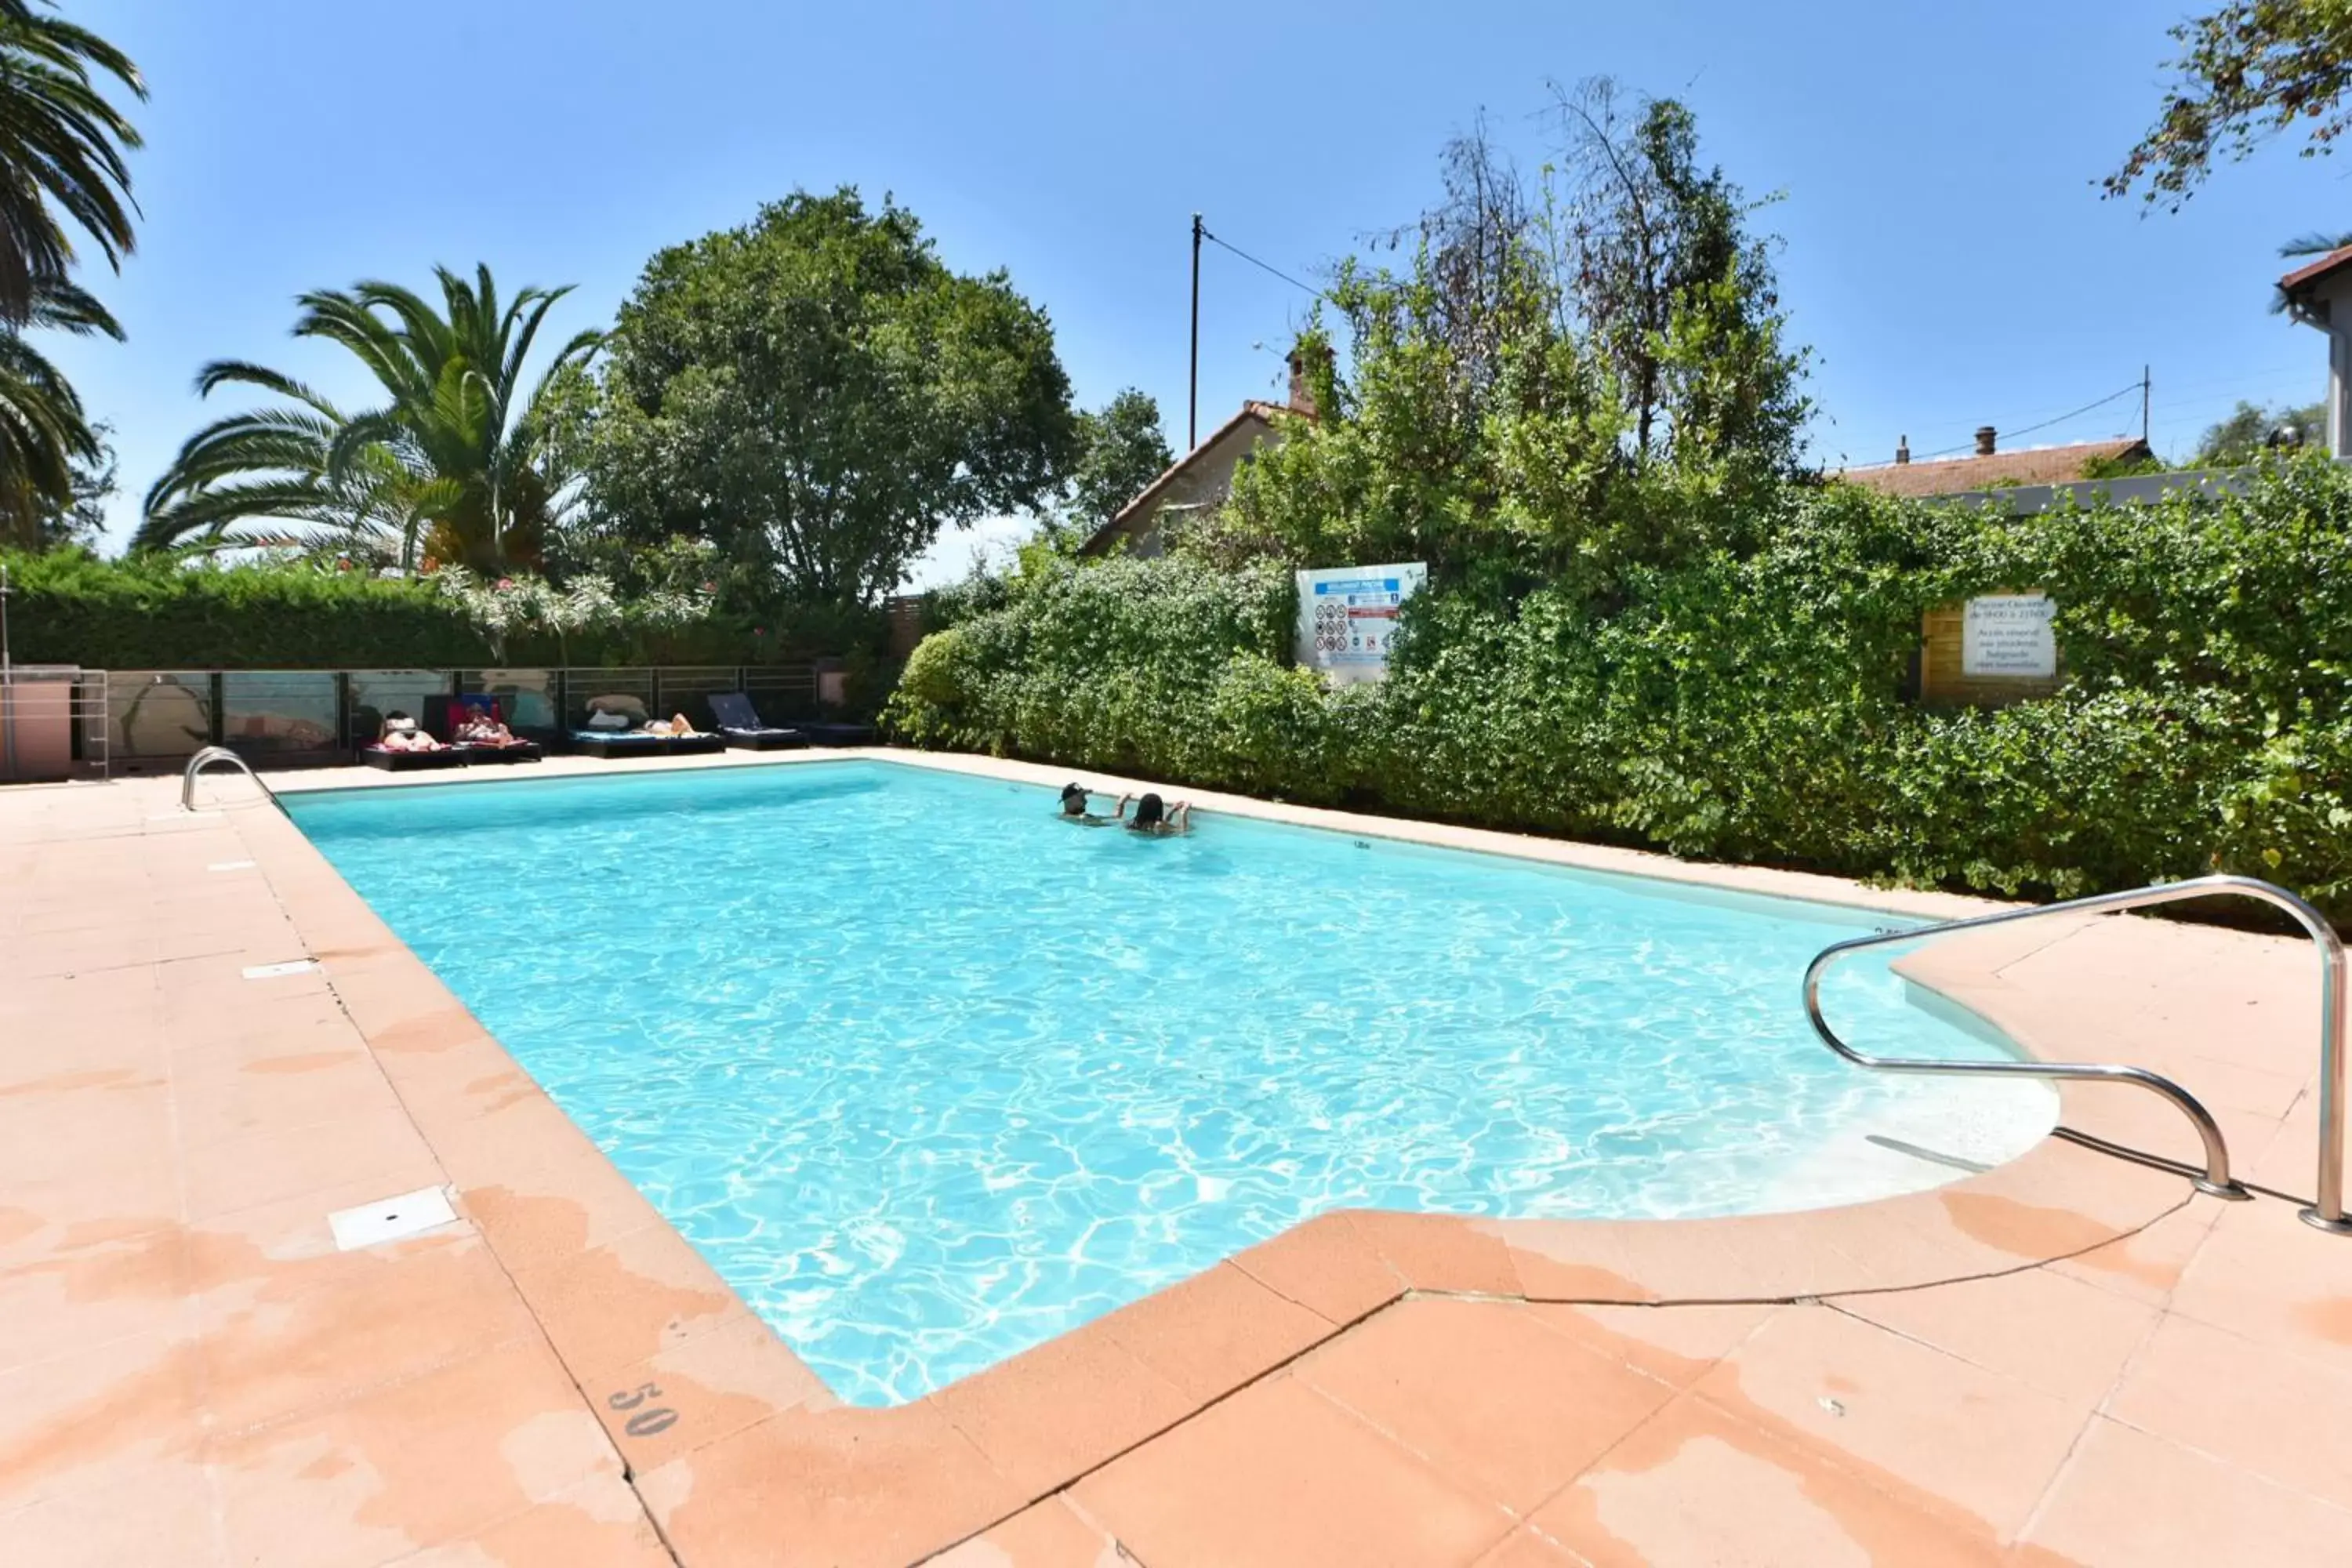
1147	811
1074	800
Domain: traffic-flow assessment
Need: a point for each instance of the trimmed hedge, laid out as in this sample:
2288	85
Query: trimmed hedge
1755	709
71	608
68	607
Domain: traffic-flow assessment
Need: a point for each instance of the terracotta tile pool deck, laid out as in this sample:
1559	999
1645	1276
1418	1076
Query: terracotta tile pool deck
2071	1358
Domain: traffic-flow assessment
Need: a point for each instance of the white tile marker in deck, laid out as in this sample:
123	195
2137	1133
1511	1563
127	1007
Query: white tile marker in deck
273	971
391	1219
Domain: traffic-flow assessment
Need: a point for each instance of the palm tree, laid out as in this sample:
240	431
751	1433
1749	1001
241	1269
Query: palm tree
44	434
61	151
458	454
266	479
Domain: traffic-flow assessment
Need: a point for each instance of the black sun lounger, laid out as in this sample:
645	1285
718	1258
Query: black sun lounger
393	762
611	744
740	726
444	714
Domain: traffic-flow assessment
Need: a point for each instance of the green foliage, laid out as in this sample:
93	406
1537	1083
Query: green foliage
2119	467
816	394
164	613
62	157
1750	706
82	519
49	448
2245	434
1120	451
1571	384
160	614
2248	70
62	148
454	465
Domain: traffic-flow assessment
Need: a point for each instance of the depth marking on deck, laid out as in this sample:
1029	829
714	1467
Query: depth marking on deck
391	1219
274	971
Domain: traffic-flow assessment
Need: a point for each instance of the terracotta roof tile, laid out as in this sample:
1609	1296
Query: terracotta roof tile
2313	272
2032	466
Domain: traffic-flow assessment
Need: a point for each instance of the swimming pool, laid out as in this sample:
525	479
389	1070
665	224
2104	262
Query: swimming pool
931	1076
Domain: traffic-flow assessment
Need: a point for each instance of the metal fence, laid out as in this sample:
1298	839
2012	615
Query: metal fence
154	720
53	723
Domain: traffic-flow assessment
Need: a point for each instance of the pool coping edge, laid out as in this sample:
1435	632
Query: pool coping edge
636	1305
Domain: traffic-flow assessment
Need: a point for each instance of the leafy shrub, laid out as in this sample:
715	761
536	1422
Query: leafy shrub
1753	708
154	613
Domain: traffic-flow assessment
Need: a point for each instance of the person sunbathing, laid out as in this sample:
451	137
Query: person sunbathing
675	726
1155	819
400	734
482	728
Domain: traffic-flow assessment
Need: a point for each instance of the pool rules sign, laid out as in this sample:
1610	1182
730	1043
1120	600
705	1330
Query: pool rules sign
1347	617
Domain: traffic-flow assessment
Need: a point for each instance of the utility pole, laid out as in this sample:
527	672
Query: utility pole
2143	405
1193	396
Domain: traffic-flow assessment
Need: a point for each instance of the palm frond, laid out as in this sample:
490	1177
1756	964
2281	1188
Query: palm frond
62	154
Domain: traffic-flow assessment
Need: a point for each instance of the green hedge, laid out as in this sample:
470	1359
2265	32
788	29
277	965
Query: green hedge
67	607
1755	709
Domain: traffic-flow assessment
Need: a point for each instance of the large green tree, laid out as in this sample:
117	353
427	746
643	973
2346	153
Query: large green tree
816	394
1120	450
2247	71
457	462
1573	379
2246	432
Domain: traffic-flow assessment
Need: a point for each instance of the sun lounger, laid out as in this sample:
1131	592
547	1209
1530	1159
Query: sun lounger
444	714
393	762
611	744
739	725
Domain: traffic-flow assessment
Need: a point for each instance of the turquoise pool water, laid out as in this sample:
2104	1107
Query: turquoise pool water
931	1076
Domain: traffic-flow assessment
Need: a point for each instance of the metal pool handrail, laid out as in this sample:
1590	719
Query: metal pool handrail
2327	1213
210	754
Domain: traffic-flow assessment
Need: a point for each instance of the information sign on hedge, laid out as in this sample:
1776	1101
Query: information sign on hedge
1994	649
1347	616
2009	634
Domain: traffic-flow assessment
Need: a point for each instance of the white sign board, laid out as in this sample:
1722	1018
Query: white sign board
2009	634
1347	616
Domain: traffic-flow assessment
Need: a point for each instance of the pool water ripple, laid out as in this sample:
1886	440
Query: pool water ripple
931	1077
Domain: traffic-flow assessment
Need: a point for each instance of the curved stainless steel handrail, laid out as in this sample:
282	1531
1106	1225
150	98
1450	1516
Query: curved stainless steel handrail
2327	1211
207	757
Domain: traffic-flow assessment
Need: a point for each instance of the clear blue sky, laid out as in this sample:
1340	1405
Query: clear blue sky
1947	257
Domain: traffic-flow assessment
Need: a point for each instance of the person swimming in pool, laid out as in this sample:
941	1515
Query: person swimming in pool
1154	819
1076	807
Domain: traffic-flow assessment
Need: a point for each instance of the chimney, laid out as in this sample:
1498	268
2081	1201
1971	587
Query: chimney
1903	448
1302	391
1984	440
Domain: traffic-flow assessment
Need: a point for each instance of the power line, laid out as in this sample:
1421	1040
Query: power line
1263	266
2045	425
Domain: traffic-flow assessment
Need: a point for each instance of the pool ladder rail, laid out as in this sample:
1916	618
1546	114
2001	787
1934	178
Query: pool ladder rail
207	757
2327	1211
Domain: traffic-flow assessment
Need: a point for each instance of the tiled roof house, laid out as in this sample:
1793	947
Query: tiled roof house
1990	469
